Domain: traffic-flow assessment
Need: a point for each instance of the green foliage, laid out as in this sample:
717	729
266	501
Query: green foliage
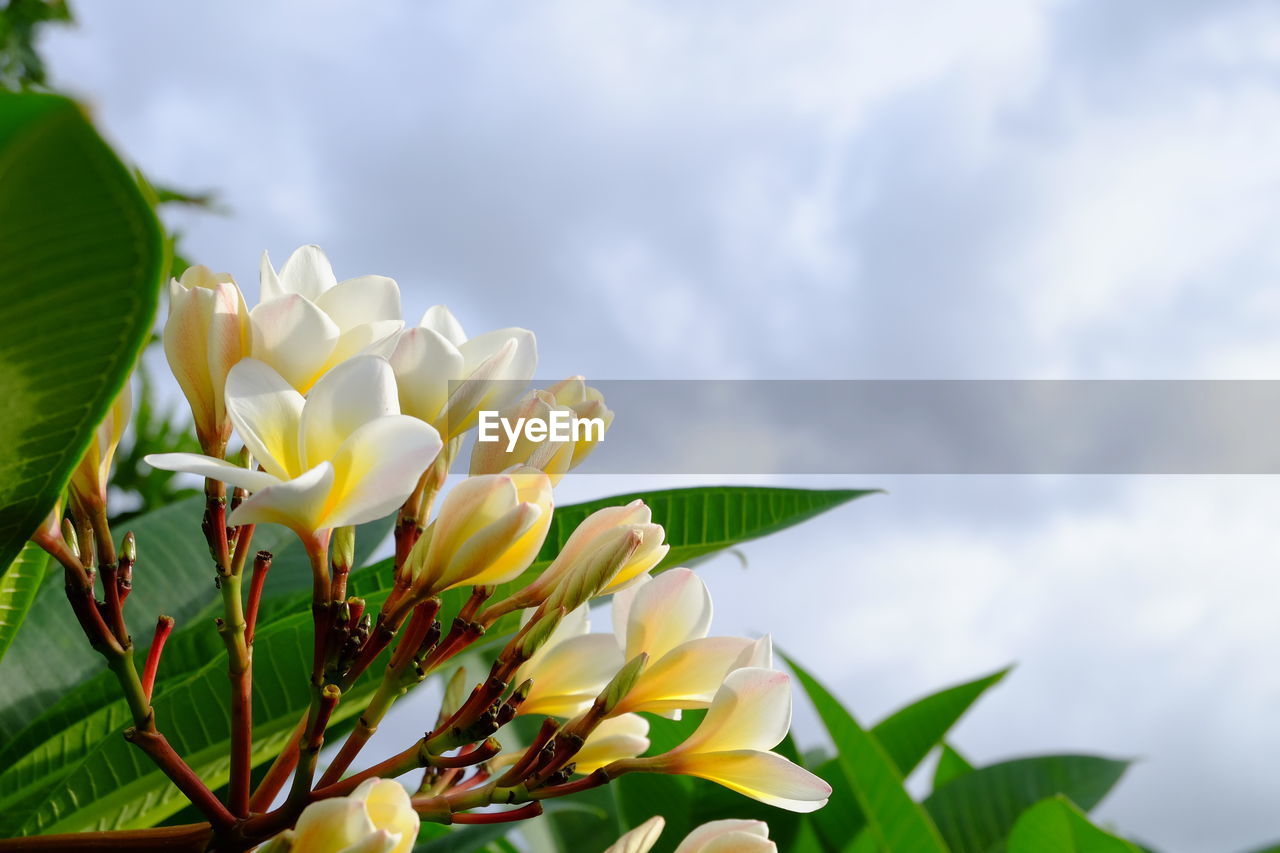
895	820
18	588
951	765
21	21
1055	825
75	236
976	811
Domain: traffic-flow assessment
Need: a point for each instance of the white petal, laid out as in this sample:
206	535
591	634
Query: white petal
620	737
365	338
378	466
687	677
751	710
424	362
293	336
207	466
346	398
266	412
269	282
299	504
573	672
641	839
696	841
523	362
360	300
440	319
739	842
763	776
673	608
307	273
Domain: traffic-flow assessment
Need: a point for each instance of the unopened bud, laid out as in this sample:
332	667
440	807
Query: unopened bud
129	548
595	572
536	633
344	547
69	536
622	682
587	405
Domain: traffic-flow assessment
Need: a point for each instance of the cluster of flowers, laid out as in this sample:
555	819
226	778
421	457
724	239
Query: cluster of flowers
347	416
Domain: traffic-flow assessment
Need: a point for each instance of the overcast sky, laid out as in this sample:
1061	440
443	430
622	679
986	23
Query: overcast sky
823	190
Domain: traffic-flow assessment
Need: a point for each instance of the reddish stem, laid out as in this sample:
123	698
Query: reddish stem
525	812
257	580
164	627
189	837
157	747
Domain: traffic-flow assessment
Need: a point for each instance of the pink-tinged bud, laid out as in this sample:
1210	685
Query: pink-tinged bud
497	450
89	480
596	530
488	531
206	334
738	835
587	404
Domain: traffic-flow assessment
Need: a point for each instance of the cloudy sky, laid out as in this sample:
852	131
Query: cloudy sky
823	190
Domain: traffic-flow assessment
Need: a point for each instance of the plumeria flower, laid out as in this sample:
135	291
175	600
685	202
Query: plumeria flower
587	403
717	836
570	669
668	618
641	839
377	817
551	456
488	531
307	321
488	371
342	456
206	334
89	479
614	739
749	716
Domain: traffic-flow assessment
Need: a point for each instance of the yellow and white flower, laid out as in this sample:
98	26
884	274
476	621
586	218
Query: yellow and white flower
614	739
308	322
570	669
344	455
749	716
488	531
717	836
587	403
206	334
377	817
668	618
488	371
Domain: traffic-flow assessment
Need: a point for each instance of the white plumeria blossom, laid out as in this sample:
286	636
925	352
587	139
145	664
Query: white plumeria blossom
729	836
308	322
749	716
490	371
570	669
641	839
377	817
598	528
668	618
343	455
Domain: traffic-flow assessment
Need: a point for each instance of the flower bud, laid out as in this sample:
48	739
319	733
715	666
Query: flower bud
618	688
89	479
587	403
206	334
596	529
738	835
344	547
553	457
488	531
69	536
596	569
377	817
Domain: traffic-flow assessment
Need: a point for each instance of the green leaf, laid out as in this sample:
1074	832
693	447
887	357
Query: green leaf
910	733
80	266
18	588
1055	825
951	765
70	770
174	576
975	812
896	821
462	839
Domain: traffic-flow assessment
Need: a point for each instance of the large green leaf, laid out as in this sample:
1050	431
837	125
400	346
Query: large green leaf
906	736
174	576
80	266
976	811
1055	825
18	588
70	770
897	822
951	765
